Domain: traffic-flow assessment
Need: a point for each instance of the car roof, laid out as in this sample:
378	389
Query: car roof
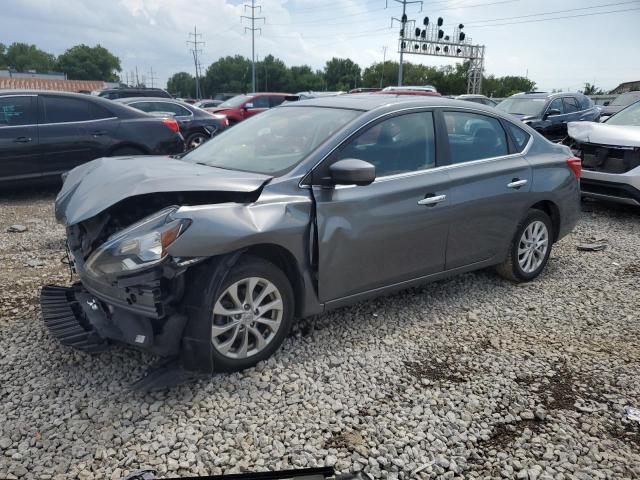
471	95
148	99
366	102
544	94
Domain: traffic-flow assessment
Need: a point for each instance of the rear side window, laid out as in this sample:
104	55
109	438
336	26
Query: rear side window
15	111
276	100
570	105
68	109
174	108
474	137
520	137
396	145
585	103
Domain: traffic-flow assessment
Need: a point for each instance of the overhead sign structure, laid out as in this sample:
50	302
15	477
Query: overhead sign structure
431	40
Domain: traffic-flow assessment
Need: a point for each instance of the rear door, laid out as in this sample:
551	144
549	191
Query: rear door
383	233
556	125
72	131
490	184
19	154
571	111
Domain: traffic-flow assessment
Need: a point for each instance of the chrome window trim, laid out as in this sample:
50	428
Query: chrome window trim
19	95
78	121
524	151
164	101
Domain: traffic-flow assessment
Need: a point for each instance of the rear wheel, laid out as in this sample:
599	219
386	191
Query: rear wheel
530	248
251	315
195	140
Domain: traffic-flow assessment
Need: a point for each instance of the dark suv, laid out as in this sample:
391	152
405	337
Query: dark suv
114	93
548	113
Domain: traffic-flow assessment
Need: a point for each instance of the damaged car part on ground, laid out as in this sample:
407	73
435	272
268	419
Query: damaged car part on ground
314	205
610	154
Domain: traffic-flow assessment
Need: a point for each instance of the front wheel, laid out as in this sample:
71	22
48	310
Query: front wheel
251	315
529	249
195	140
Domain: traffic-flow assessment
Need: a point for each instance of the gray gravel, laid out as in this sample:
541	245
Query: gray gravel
471	377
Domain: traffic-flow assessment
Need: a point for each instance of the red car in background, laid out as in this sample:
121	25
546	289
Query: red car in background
241	107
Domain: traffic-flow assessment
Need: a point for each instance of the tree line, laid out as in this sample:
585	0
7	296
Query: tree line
232	74
80	62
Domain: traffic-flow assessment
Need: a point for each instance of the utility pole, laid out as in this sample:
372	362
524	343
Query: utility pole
403	33
152	78
384	58
137	78
195	50
253	7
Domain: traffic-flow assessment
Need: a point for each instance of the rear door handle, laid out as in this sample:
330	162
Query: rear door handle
516	183
432	200
22	140
98	133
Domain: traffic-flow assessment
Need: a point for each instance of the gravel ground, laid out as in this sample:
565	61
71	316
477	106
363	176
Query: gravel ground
471	377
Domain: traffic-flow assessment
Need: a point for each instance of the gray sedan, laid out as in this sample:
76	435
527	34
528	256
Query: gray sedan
317	204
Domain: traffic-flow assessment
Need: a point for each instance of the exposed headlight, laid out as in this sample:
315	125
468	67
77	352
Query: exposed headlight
139	246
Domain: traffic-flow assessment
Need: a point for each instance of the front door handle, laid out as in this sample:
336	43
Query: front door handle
22	140
98	133
516	183
428	201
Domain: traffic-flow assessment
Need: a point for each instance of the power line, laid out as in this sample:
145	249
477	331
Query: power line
253	7
196	51
152	77
557	18
552	13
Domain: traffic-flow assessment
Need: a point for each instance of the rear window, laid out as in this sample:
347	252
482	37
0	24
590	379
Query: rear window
570	105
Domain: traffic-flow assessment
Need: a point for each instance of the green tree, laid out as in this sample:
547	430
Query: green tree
89	63
182	84
303	79
342	74
3	57
592	89
372	74
272	75
23	57
506	86
228	75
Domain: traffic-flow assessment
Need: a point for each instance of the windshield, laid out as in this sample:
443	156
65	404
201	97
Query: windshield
628	116
626	99
522	106
272	142
235	101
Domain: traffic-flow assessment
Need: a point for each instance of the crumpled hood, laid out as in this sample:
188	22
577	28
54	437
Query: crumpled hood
605	134
95	186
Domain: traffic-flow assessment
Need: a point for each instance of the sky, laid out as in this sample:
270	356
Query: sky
563	53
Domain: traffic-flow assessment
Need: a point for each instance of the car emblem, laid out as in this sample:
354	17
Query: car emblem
93	304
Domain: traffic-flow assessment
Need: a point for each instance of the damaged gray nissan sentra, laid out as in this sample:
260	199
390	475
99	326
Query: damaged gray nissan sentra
206	259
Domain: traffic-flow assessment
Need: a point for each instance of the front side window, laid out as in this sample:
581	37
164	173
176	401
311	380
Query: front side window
15	111
474	137
276	100
260	102
234	102
401	144
556	105
570	105
274	141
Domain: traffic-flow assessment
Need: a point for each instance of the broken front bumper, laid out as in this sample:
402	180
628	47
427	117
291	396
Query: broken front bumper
619	188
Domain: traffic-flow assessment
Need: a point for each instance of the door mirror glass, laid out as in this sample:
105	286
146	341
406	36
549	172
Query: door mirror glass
352	171
248	105
553	111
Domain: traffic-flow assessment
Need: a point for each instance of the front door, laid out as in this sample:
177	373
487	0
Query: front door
489	187
556	125
392	230
19	156
256	105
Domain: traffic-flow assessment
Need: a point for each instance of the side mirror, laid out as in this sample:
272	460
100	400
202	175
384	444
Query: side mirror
553	111
352	171
606	103
248	105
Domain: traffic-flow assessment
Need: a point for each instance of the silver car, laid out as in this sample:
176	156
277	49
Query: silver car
610	154
208	258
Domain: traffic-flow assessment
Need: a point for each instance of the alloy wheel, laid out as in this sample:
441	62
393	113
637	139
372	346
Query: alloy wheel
533	246
196	141
246	317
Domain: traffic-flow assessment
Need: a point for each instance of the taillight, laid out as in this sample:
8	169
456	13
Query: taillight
575	164
172	124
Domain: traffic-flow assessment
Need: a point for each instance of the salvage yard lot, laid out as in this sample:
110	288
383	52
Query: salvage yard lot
467	377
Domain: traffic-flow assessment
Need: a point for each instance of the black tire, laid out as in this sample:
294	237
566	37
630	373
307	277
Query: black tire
125	151
511	268
199	137
250	266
